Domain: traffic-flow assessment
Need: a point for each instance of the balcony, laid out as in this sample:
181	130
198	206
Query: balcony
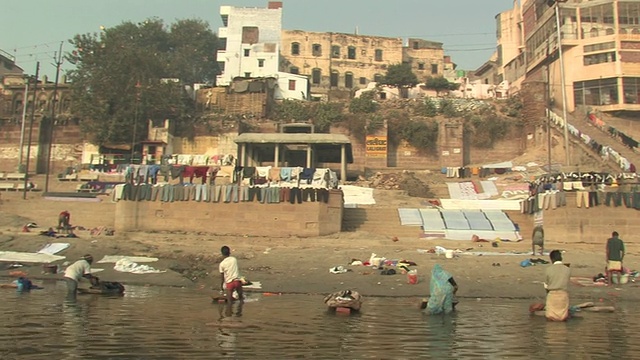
222	32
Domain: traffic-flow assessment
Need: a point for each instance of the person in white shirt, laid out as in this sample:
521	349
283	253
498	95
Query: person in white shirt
229	275
78	270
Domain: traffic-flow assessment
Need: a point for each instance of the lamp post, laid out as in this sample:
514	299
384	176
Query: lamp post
562	82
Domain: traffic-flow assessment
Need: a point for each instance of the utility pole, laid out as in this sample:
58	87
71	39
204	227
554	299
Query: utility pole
562	82
135	122
24	118
33	114
58	63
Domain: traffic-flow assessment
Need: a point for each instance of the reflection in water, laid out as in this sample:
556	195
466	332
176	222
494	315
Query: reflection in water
177	323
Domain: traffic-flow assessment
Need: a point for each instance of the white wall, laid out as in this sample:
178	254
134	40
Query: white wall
301	83
269	23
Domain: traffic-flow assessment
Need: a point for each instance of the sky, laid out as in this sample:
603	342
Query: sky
32	30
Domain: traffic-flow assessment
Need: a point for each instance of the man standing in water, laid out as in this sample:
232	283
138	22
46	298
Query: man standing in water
76	271
615	254
556	283
229	275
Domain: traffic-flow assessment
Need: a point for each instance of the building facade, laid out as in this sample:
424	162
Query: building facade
600	43
251	49
337	61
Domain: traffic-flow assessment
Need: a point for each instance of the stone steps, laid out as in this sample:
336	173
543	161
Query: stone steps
380	221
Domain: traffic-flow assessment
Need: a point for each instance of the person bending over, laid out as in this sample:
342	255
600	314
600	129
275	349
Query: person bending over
229	275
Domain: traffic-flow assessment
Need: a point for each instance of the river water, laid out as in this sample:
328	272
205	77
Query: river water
169	323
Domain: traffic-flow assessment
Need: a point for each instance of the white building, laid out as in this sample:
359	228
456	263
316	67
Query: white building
251	49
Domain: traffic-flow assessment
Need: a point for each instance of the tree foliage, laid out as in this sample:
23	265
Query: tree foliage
321	115
440	84
426	108
364	104
120	80
486	127
400	76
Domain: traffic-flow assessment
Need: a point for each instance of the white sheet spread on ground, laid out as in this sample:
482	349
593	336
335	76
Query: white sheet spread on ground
457	204
356	195
53	248
128	266
489	187
502	165
13	256
410	217
137	259
254	285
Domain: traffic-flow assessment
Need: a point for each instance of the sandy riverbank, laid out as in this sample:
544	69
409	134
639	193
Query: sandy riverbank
300	265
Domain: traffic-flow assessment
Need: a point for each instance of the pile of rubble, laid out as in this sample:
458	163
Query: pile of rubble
396	181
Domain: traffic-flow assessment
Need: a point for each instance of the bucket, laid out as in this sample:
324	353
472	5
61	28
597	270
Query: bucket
448	254
50	269
412	277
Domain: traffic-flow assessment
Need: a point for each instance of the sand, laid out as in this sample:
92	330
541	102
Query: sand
301	265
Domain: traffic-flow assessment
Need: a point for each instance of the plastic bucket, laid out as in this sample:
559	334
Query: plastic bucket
412	277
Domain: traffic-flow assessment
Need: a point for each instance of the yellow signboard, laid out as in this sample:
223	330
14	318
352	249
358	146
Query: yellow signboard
376	146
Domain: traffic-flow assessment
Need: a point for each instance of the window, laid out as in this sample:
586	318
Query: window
600	46
631	88
247	74
247	52
292	84
348	80
416	45
250	34
221	65
335	51
434	69
378	55
351	54
363	81
294	70
383	95
316	76
316	50
599	58
260	62
596	92
377	78
420	66
333	81
295	48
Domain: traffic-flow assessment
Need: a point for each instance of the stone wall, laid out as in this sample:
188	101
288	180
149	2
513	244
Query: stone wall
243	218
594	225
66	149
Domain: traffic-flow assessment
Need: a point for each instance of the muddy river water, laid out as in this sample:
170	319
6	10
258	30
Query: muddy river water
170	323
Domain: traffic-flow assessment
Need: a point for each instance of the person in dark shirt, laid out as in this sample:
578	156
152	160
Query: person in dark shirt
615	254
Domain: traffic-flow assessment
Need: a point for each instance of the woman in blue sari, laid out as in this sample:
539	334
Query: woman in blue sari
442	288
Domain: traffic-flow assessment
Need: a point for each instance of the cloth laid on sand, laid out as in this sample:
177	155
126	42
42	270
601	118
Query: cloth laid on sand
25	257
253	285
116	258
585	281
53	248
126	265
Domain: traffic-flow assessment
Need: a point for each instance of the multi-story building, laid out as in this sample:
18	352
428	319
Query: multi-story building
251	49
336	61
600	43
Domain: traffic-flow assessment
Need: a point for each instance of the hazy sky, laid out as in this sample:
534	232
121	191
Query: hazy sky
32	30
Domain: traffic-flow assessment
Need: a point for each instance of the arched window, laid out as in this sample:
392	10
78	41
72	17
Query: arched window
295	48
316	50
334	78
348	80
335	51
377	78
316	76
351	53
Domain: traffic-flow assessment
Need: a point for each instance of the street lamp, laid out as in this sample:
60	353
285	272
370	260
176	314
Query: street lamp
556	5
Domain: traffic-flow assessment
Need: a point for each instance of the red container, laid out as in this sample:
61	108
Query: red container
412	277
